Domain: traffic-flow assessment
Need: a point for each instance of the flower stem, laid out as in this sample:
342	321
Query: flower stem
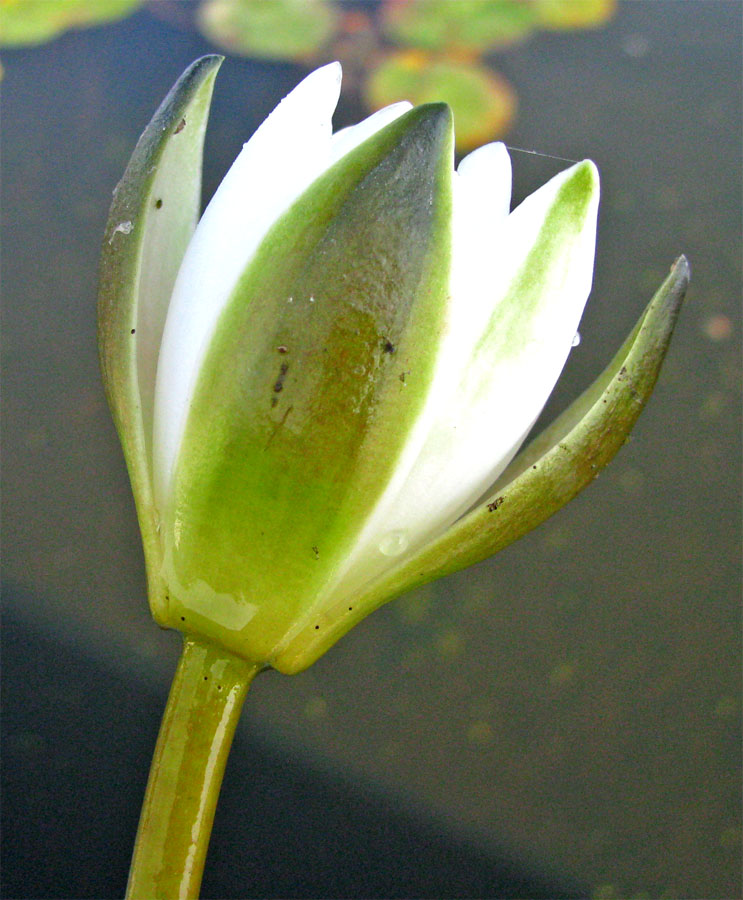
203	709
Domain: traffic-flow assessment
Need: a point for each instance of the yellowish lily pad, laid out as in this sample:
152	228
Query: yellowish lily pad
482	101
569	14
271	29
474	25
24	22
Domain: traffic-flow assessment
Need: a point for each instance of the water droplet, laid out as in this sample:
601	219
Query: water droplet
394	543
576	339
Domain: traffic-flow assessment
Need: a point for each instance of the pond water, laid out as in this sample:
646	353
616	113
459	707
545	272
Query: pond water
573	703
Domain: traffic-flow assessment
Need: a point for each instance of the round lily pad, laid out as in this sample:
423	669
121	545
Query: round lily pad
24	22
482	101
271	29
470	25
569	14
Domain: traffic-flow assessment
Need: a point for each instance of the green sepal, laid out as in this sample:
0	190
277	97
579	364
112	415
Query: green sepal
152	217
552	469
316	375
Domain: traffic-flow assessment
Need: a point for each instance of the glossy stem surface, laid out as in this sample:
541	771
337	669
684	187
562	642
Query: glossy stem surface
203	709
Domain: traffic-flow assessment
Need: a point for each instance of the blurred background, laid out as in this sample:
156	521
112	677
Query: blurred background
562	720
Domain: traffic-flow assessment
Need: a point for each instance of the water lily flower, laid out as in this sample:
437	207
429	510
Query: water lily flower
321	389
321	385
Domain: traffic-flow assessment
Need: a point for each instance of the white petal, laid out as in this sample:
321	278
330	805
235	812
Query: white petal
482	199
515	365
285	155
487	174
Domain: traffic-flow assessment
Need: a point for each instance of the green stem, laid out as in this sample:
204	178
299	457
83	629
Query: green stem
186	774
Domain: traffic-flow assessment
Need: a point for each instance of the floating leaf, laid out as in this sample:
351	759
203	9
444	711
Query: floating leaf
474	25
568	14
24	22
483	102
272	29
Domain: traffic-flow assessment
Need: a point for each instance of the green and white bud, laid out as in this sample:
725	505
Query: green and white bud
317	386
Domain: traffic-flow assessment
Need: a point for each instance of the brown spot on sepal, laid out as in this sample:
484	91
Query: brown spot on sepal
492	506
279	383
180	126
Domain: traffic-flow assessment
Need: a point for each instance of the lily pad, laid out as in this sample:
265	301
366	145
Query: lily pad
564	15
271	29
474	25
482	101
24	22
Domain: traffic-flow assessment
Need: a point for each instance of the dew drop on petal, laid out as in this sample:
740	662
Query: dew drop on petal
394	543
576	339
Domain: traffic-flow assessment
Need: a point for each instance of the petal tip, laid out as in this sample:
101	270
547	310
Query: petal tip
321	86
579	187
673	290
434	117
682	269
210	59
586	173
333	71
493	154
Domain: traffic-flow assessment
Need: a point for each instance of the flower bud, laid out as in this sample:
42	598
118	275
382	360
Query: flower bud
316	386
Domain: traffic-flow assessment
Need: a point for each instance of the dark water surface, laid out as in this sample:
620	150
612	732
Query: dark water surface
573	704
